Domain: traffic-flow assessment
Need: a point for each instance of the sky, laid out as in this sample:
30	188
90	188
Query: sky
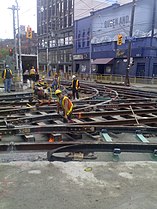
27	15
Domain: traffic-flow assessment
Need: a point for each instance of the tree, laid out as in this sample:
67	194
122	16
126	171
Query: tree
3	53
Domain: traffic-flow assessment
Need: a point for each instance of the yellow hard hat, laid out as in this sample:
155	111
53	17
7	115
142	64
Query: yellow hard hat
43	77
58	91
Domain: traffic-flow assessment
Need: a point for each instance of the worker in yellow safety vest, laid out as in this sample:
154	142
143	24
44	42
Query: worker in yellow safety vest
75	87
32	74
64	103
7	78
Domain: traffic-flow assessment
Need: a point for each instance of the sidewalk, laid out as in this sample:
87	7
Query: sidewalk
145	87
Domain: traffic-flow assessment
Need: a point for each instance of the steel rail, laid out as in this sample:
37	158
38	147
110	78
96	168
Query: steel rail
73	128
99	104
112	113
132	121
79	115
16	103
17	110
76	147
33	118
124	90
24	103
114	105
6	95
116	148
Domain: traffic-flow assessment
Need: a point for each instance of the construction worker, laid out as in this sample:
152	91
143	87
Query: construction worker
64	103
32	73
7	78
41	89
42	82
75	87
56	82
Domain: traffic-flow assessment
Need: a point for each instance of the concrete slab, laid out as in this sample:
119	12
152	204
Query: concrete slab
79	185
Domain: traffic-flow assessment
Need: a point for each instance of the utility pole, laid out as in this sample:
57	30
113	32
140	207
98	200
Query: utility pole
127	81
47	48
19	42
153	23
13	8
90	41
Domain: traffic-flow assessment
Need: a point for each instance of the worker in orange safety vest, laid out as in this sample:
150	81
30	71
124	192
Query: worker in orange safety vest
64	103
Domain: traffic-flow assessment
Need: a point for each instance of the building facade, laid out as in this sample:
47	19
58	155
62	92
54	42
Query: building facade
96	40
55	28
55	33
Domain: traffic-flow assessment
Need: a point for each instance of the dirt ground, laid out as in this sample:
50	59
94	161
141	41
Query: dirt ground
79	185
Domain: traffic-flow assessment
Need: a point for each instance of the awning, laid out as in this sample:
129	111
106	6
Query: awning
102	61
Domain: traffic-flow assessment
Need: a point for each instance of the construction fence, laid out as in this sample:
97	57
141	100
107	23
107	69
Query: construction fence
119	79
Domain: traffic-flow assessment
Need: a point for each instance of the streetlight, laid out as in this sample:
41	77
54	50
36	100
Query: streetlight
19	41
14	8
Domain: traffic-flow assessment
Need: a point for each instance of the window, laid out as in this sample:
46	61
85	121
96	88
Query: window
66	40
70	20
65	5
140	72
83	39
70	4
79	40
155	70
70	40
43	43
65	21
88	37
50	44
61	42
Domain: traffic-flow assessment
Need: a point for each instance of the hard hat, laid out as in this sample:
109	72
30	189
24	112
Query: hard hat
74	76
58	91
43	77
7	66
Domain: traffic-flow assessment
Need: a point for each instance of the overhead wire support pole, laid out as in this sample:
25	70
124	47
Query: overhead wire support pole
47	48
13	8
90	42
19	42
127	81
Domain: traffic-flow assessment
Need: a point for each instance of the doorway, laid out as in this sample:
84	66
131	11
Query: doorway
140	72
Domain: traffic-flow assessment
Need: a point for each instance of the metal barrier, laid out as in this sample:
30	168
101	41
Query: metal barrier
102	78
111	78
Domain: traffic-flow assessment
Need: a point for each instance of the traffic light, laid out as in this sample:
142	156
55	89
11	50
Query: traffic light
10	52
29	33
120	39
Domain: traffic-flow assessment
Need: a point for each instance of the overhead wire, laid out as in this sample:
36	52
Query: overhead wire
90	9
28	10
